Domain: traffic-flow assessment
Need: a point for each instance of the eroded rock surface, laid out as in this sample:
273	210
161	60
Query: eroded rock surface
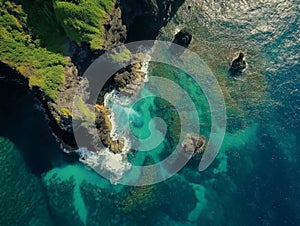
104	126
238	65
144	18
183	38
130	80
194	144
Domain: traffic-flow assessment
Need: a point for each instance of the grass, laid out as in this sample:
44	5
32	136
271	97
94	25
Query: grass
33	36
123	56
41	21
18	49
66	112
82	111
83	20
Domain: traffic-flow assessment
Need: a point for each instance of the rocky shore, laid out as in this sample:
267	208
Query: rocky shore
122	21
127	83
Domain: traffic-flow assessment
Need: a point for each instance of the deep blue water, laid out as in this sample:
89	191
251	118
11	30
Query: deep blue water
260	185
255	179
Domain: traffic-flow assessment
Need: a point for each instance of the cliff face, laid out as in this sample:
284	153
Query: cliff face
144	18
54	53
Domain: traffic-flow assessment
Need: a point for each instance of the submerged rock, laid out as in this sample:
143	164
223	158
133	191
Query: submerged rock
238	65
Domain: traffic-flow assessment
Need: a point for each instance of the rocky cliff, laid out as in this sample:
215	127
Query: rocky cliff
145	18
54	53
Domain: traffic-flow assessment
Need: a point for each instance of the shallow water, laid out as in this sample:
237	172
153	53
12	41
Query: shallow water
255	177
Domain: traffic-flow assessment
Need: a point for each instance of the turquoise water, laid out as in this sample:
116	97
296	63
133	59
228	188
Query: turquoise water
257	162
253	181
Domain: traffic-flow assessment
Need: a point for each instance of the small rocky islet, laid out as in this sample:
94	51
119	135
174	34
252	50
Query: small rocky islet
79	55
238	65
52	66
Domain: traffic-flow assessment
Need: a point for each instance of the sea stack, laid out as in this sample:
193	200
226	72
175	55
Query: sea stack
238	65
194	144
183	38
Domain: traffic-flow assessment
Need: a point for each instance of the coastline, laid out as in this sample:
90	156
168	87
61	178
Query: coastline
105	161
64	138
116	97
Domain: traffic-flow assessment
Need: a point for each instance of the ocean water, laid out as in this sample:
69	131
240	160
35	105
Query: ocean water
255	179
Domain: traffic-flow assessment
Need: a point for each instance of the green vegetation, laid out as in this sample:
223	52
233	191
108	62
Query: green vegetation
33	36
41	21
83	20
82	111
66	112
123	56
18	49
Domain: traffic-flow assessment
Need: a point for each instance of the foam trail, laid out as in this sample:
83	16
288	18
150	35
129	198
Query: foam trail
105	162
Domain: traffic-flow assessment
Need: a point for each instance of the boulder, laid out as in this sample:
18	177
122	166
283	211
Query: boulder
183	38
194	144
238	65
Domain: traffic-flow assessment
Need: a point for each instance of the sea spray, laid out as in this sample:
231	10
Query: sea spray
104	161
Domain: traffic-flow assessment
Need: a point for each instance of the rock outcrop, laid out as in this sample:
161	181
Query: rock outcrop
194	144
104	126
115	34
127	82
183	38
61	108
145	18
150	16
115	30
238	65
130	80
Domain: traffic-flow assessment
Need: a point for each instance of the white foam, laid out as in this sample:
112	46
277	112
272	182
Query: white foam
105	162
145	65
116	97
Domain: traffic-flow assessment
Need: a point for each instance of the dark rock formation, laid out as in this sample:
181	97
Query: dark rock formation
127	81
145	18
115	30
62	127
238	65
115	34
183	38
130	80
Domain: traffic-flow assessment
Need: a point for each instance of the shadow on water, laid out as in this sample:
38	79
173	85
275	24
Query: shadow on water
144	19
25	125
